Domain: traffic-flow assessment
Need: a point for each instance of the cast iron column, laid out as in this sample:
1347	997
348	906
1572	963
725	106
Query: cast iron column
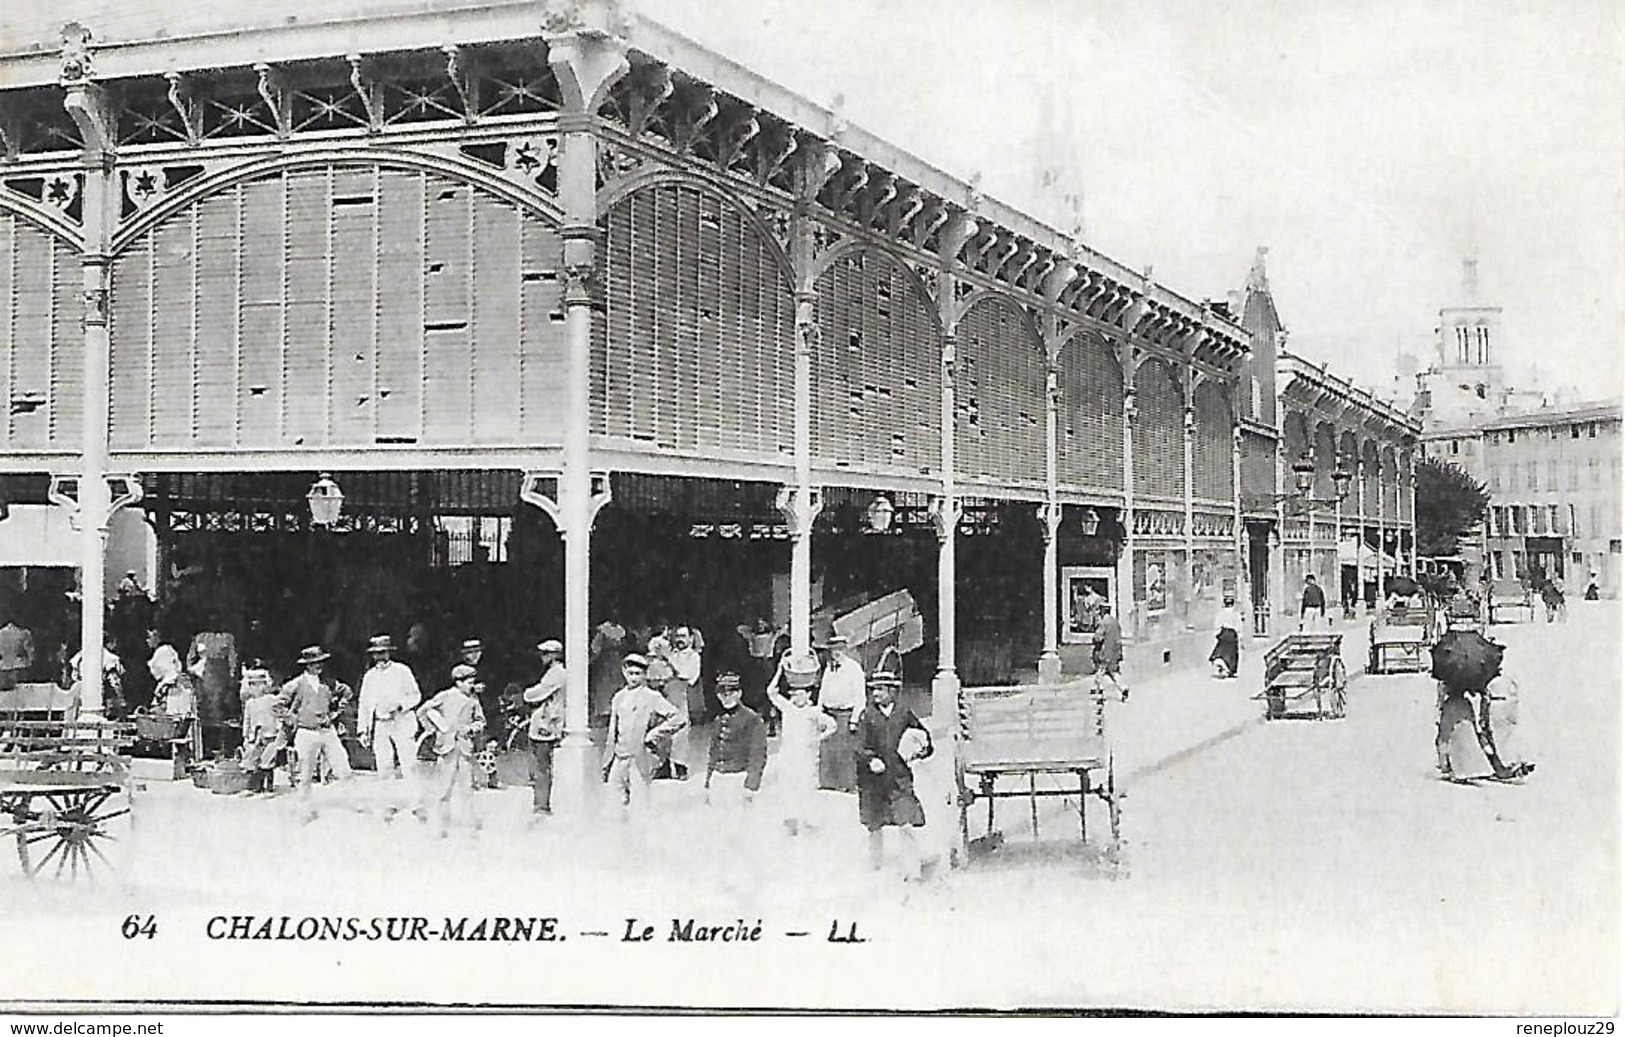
1049	517
1190	511
1359	518
92	112
1124	605
587	57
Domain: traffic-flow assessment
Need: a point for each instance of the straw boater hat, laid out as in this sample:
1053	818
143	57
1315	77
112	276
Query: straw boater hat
551	645
313	654
727	681
381	643
472	645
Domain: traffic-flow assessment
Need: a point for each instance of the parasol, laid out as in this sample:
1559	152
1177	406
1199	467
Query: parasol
1466	659
1403	586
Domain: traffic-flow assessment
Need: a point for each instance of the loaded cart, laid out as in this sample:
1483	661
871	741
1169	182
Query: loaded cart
65	793
1304	676
1031	742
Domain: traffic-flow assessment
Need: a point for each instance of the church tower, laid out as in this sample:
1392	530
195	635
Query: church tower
1465	379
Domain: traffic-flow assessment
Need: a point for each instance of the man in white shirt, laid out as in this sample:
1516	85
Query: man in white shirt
546	725
384	718
841	694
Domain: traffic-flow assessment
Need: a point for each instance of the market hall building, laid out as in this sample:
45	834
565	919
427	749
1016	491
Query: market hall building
582	322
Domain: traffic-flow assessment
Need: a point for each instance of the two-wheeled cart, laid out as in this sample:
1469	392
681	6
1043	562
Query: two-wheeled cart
1033	742
1400	637
1304	676
66	793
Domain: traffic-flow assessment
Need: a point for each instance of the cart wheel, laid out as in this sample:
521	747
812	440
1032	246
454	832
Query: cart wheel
76	830
1339	689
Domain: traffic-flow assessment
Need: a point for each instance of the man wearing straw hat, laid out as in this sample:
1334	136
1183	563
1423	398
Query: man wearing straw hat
384	718
314	702
840	695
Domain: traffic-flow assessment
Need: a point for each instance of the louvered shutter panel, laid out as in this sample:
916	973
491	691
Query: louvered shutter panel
1371	483
543	341
1159	433
260	332
1089	433
698	327
402	273
1212	446
496	321
448	405
305	342
67	406
1258	468
31	344
877	370
173	292
1003	421
215	305
354	292
9	234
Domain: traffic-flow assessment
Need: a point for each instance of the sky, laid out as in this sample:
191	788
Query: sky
1371	145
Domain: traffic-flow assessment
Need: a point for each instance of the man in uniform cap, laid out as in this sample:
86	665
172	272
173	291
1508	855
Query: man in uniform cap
546	724
738	747
384	719
639	718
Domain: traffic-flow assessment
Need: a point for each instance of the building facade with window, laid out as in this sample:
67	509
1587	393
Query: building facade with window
587	324
1553	476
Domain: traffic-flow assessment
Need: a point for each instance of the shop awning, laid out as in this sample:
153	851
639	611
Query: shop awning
1348	553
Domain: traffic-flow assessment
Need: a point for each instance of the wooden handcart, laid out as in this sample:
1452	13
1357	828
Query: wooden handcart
66	793
1400	637
1511	602
1304	676
1035	741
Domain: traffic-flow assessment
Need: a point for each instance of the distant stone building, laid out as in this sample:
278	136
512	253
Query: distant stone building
1553	477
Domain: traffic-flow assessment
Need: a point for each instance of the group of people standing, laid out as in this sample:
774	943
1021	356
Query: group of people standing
407	734
855	737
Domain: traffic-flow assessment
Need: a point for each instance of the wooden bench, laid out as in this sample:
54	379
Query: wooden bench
1033	731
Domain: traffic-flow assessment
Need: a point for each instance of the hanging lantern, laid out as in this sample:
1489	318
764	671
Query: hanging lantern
1089	524
1303	472
326	501
1340	477
879	515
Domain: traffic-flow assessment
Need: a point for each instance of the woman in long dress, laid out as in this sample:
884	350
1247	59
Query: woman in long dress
795	770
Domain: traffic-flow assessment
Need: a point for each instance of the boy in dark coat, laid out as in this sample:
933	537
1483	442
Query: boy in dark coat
888	738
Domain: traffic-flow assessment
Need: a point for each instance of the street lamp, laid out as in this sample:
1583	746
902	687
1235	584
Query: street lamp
879	514
326	501
1089	524
1303	478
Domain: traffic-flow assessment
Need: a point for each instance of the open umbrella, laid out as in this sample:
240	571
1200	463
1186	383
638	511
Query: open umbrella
1403	586
1466	659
